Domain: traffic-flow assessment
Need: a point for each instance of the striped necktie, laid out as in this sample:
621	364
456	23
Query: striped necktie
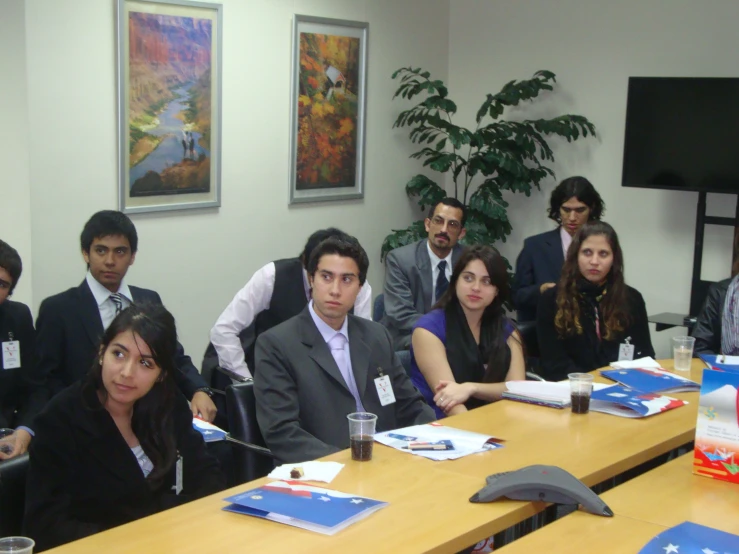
117	299
442	283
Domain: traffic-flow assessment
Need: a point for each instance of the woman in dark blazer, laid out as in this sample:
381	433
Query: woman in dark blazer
573	203
120	445
582	322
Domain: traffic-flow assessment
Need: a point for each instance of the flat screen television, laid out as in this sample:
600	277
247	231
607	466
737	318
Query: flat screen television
682	133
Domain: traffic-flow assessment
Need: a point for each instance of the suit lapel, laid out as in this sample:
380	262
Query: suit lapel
319	350
423	262
100	438
360	355
90	314
554	250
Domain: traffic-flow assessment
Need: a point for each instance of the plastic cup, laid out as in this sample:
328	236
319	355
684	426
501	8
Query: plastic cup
7	441
16	545
682	352
361	435
581	387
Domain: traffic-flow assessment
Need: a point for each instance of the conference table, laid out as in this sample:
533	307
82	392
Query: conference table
644	507
428	509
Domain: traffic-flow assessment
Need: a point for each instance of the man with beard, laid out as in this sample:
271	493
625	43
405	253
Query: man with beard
417	275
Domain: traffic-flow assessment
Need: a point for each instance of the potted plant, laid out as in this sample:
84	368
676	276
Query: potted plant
497	155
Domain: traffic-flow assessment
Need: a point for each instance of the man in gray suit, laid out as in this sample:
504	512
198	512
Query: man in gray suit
317	367
417	274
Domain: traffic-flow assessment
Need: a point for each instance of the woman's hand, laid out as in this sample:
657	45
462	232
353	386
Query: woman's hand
450	394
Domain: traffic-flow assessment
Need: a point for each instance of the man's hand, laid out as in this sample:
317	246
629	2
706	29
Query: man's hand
546	286
203	406
22	440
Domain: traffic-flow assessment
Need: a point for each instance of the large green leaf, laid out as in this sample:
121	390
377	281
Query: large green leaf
414	232
427	191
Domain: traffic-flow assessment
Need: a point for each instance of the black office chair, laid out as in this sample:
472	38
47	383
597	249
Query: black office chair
378	308
12	495
527	330
253	458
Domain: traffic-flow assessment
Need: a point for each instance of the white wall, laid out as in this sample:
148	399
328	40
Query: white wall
593	47
15	205
197	260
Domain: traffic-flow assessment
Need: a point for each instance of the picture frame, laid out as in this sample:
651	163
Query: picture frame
327	109
169	105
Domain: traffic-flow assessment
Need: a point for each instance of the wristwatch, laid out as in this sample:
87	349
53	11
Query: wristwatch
206	390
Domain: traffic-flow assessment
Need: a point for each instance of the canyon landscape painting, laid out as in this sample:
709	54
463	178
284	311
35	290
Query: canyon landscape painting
170	87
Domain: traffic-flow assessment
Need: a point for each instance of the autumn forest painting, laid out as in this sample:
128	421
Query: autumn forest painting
327	111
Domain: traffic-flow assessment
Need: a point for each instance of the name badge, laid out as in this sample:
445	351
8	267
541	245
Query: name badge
626	351
178	477
385	390
11	354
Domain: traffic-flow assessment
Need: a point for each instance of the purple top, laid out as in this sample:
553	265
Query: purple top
435	323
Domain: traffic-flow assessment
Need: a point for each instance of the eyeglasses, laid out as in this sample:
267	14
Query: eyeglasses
581	210
451	223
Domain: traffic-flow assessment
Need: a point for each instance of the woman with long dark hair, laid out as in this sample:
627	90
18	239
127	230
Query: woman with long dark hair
465	348
583	321
717	329
119	445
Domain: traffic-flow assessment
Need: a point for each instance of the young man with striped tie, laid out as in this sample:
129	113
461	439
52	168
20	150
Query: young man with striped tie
70	324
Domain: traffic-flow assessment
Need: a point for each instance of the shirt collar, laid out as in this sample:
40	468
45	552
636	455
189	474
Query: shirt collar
101	294
328	332
566	240
436	259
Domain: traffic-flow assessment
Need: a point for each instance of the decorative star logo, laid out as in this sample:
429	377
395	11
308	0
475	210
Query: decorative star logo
671	548
708	551
356	500
207	432
710	413
256	497
324	498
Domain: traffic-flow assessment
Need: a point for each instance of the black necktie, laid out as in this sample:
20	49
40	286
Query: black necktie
442	283
118	301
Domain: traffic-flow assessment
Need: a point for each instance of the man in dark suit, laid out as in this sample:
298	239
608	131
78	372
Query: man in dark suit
417	274
21	397
573	203
70	324
319	366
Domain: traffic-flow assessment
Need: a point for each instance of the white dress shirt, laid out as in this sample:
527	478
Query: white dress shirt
566	240
435	270
106	306
254	298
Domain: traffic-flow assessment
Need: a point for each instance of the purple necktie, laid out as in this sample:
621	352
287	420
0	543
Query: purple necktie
337	344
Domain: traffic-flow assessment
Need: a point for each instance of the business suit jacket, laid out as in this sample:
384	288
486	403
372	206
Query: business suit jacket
68	333
21	395
409	289
83	478
707	330
539	262
302	398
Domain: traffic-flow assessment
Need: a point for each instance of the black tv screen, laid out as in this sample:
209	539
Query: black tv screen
682	134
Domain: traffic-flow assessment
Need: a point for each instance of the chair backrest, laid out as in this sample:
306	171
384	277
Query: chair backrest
12	495
243	426
378	308
527	330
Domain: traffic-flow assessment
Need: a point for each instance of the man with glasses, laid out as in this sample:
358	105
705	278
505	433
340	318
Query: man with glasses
416	275
573	203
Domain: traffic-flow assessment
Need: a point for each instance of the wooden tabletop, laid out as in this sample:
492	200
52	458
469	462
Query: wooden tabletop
643	507
428	507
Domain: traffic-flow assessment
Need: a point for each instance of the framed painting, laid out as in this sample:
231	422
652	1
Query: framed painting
328	98
169	105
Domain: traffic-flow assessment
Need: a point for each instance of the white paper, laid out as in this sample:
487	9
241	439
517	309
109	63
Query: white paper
645	363
313	471
464	442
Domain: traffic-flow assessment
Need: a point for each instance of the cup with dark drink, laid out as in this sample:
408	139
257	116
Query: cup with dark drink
581	387
361	435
